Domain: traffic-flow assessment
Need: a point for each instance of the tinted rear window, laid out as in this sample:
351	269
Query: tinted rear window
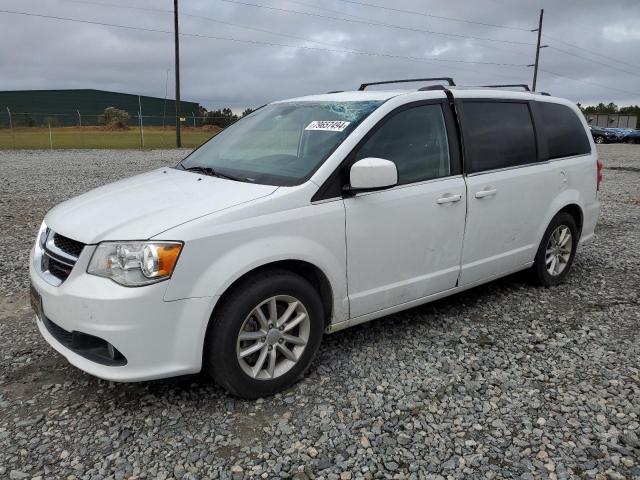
497	135
563	130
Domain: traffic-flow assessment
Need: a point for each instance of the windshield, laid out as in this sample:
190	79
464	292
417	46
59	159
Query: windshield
281	143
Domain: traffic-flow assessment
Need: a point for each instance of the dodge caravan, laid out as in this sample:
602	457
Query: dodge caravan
306	217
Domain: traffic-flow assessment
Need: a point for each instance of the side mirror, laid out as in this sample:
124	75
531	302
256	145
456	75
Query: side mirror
372	174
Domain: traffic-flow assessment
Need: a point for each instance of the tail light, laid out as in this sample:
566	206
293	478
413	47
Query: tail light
599	175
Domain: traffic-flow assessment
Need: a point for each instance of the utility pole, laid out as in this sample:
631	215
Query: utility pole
538	47
177	69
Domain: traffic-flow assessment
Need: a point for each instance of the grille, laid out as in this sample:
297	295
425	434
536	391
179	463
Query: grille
71	247
55	267
60	255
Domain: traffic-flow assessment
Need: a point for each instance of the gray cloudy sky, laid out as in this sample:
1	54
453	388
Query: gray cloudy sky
43	53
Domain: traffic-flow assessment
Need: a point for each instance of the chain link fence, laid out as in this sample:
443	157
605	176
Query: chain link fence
37	130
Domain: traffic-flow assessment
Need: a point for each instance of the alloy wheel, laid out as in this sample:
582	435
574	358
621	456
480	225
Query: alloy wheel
558	250
273	337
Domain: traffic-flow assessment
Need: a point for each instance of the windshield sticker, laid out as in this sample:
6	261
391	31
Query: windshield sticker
328	125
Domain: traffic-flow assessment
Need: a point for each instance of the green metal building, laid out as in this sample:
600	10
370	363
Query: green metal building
72	107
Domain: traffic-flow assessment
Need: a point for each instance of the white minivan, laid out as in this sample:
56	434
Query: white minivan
308	216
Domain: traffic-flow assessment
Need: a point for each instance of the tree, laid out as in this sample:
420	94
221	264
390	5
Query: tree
630	110
222	118
602	108
114	117
247	111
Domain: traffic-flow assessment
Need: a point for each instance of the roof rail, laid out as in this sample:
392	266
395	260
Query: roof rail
431	87
524	86
335	91
449	80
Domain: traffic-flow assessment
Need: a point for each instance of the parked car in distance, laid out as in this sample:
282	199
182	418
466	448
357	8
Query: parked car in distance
306	217
621	133
603	135
633	136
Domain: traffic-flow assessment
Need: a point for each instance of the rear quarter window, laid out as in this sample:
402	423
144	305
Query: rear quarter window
565	135
497	135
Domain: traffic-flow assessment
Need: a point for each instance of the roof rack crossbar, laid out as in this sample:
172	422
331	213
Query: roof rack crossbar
524	86
449	80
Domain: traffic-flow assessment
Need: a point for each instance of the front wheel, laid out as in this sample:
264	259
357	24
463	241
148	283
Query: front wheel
265	334
556	251
599	139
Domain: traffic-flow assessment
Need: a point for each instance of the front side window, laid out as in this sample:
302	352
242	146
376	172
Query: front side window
415	140
497	135
281	143
563	130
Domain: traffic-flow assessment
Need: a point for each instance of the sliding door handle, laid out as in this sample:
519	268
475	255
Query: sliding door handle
449	198
489	192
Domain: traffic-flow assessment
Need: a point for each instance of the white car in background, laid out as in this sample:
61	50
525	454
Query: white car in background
309	216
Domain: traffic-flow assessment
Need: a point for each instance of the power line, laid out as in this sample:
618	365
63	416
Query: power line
236	25
129	7
201	17
588	82
593	61
259	42
608	57
325	9
440	17
377	24
339	12
90	2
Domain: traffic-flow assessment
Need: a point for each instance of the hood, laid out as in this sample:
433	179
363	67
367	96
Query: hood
140	207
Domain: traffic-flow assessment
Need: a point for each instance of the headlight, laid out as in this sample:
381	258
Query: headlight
134	264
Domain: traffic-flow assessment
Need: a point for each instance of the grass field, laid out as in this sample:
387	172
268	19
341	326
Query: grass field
98	137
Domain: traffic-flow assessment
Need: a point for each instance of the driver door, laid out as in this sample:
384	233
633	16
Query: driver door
404	243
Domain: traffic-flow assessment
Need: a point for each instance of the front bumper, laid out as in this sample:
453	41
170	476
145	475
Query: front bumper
158	338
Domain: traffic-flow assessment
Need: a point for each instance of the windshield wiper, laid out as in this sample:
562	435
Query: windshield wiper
213	173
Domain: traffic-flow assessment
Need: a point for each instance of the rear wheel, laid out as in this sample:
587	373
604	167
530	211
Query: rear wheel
599	139
556	251
265	334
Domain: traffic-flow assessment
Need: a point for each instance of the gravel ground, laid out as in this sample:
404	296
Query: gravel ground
503	381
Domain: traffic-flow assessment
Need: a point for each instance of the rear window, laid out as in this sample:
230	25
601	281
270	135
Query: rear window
497	135
563	130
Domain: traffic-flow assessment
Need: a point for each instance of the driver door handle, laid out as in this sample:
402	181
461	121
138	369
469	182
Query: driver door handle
449	198
489	192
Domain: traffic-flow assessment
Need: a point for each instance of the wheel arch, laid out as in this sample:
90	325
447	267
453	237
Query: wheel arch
576	212
310	272
570	201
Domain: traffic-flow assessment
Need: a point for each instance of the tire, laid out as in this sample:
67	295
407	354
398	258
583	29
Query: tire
599	140
549	273
248	310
